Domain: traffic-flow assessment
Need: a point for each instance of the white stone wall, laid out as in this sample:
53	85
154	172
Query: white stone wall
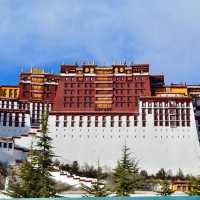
25	141
13	108
10	155
154	147
7	130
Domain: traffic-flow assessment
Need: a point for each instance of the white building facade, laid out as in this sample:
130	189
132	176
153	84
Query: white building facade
162	135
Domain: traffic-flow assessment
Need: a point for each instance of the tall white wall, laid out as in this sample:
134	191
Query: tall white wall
154	147
9	131
10	155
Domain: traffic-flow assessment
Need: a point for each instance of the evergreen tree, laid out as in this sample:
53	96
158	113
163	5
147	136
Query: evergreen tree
97	188
180	175
169	175
195	186
165	189
75	168
42	157
34	174
126	174
3	175
3	169
27	186
144	173
161	174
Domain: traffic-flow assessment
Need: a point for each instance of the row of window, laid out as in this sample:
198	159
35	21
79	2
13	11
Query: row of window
91	105
168	113
117	78
78	104
5	116
13	105
44	94
66	117
8	119
92	91
127	136
172	123
96	124
100	85
19	105
13	123
11	93
6	145
78	99
172	117
166	104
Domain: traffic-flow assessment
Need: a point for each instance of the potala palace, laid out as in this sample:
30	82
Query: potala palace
94	110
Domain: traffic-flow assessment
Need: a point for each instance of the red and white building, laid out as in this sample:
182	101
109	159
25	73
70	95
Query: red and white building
95	110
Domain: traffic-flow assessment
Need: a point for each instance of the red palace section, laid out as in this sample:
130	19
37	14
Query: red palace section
92	88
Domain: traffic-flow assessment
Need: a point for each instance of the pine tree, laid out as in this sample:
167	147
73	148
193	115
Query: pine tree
126	174
42	156
98	188
34	177
180	175
165	189
161	174
195	186
27	187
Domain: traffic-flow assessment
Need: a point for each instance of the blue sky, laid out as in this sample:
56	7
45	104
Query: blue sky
46	33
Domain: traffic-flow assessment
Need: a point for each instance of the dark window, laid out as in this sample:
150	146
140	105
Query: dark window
80	123
57	124
4	123
72	123
65	124
149	111
10	145
88	123
4	145
135	123
10	119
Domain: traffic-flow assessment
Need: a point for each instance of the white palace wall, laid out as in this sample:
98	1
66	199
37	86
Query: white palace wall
154	147
9	153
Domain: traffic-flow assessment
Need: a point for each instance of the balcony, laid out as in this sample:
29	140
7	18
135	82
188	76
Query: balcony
103	102
108	88
104	81
104	95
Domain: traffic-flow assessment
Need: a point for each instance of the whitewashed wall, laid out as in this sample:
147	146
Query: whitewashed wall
10	155
154	147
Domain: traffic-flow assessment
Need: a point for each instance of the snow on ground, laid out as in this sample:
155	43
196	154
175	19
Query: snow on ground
3	196
71	180
139	194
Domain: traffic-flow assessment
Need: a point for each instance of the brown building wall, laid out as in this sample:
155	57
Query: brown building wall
101	89
38	87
